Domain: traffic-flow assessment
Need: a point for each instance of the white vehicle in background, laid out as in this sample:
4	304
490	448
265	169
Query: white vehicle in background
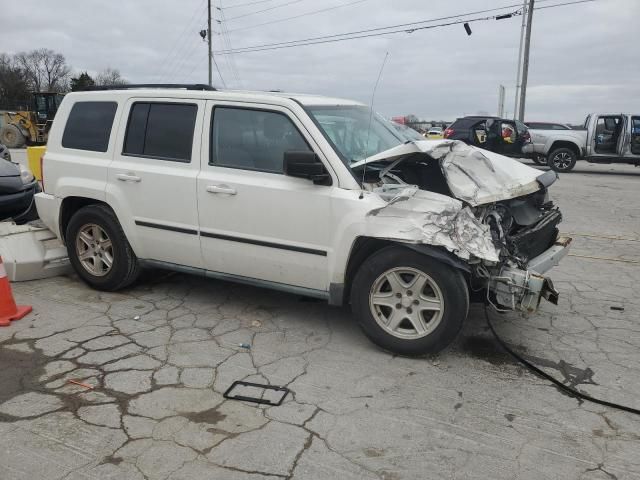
605	138
435	133
305	194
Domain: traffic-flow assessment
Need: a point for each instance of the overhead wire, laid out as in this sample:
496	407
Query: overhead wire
255	12
247	4
313	12
172	55
226	39
389	30
377	29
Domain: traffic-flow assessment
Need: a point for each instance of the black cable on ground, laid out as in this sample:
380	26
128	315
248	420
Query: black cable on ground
565	388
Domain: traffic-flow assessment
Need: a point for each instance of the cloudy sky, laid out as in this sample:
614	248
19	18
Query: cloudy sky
584	57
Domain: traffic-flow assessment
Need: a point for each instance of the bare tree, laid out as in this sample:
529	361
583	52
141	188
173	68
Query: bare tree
13	87
110	76
44	70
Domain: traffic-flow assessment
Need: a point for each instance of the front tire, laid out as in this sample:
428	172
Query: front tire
409	303
562	160
98	249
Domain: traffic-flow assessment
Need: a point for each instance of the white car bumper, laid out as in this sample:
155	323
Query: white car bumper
49	211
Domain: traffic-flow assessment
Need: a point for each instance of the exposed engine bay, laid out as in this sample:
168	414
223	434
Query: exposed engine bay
522	231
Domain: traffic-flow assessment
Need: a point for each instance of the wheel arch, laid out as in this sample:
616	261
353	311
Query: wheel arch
565	144
363	247
69	206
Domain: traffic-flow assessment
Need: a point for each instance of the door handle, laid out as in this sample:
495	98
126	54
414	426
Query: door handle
221	189
124	177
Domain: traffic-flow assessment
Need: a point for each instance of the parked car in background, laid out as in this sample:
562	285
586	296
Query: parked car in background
5	154
435	133
17	189
500	135
606	138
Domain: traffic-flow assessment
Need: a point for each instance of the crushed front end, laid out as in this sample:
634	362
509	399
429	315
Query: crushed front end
526	235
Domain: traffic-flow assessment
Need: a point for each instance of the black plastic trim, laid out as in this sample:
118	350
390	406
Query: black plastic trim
547	178
438	254
130	86
262	243
170	228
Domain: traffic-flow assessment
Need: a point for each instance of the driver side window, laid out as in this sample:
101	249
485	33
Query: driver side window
253	139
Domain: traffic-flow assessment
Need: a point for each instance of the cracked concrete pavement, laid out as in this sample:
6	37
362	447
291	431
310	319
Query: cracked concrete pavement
159	356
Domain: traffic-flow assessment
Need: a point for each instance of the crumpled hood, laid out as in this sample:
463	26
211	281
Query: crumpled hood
474	175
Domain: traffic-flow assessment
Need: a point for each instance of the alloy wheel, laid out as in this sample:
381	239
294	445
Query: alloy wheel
94	250
562	160
406	302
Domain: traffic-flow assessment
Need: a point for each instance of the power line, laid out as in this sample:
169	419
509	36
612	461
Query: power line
378	29
393	29
255	12
226	38
164	63
296	16
246	4
562	4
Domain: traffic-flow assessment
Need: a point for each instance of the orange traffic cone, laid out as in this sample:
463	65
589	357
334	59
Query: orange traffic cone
8	308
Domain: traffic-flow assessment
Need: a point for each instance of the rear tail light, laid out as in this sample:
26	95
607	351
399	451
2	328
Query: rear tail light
526	136
448	133
42	171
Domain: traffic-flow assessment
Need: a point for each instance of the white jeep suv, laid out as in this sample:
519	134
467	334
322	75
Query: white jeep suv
311	195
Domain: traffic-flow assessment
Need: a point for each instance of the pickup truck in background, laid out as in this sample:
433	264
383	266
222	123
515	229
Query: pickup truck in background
605	138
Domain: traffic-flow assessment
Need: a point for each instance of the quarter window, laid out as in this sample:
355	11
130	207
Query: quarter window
89	126
161	130
253	139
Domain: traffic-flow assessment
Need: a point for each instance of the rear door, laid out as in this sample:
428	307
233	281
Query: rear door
606	136
256	222
152	179
632	146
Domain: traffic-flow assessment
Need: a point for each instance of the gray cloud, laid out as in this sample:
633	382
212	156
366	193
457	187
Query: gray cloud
584	57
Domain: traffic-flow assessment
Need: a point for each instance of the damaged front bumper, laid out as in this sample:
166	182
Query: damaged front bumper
522	290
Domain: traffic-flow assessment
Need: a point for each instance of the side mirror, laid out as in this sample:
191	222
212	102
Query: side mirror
304	164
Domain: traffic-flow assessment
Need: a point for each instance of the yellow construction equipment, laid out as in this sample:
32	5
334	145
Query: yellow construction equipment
30	125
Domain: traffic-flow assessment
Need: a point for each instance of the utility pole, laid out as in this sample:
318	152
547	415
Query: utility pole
522	29
210	52
525	63
501	101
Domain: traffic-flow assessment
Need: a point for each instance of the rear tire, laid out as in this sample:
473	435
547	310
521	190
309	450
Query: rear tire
409	303
562	160
98	249
539	159
12	137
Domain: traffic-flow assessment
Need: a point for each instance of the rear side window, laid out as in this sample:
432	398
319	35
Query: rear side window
161	130
89	126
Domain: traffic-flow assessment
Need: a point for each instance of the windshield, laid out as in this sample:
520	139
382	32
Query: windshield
407	133
347	128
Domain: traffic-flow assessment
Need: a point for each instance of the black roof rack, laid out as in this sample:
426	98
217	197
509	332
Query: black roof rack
185	86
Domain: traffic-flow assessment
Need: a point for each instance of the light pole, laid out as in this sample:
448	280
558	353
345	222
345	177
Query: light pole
525	63
522	29
209	52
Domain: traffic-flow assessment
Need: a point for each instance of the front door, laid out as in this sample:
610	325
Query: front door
152	179
255	222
